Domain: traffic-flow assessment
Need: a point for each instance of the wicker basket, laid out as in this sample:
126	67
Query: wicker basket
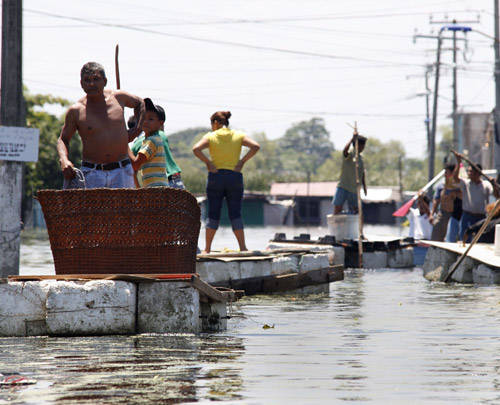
122	231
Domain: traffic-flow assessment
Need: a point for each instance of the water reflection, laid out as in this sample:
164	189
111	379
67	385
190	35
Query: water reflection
153	368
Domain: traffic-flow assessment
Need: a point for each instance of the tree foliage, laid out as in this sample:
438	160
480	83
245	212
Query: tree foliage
305	146
46	172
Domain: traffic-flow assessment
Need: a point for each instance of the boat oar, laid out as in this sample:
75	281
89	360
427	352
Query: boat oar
476	238
476	168
403	210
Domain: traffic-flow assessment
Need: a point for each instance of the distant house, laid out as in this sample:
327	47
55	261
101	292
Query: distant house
313	202
256	210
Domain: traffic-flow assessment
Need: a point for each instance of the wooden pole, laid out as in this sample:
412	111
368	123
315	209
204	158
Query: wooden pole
117	68
476	168
360	206
476	238
12	113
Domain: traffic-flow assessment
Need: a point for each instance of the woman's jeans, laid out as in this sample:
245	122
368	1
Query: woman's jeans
224	184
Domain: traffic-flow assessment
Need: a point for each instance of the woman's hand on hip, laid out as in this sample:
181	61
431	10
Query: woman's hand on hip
211	167
238	166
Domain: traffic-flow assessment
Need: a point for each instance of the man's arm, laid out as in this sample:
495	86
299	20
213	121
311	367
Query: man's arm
137	103
345	152
68	130
254	148
198	152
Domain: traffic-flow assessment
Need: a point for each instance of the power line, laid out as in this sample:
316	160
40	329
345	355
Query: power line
217	42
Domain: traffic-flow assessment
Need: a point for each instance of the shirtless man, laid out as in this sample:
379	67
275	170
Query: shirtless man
98	118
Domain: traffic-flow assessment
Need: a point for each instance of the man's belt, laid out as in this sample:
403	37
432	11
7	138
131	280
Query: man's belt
173	176
473	214
106	166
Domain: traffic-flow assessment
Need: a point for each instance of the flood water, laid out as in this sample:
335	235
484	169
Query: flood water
380	336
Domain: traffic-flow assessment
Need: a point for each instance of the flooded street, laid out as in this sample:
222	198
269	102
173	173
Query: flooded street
384	336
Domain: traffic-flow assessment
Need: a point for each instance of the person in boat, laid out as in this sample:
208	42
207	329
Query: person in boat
488	235
225	179
173	170
420	228
150	161
98	118
346	188
442	206
475	197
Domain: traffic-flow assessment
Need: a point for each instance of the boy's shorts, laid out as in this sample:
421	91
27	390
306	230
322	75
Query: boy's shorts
341	196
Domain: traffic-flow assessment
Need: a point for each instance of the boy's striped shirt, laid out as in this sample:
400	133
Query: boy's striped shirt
154	173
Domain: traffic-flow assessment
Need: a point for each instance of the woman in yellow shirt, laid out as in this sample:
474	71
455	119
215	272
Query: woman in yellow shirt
224	174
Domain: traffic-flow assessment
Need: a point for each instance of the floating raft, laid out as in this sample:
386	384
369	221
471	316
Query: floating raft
378	252
481	266
270	271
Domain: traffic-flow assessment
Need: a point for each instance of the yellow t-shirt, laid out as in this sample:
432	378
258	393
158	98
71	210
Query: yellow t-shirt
225	147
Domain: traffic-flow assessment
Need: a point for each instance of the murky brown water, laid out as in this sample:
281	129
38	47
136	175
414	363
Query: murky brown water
385	336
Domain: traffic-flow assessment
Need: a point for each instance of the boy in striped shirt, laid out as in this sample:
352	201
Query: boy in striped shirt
150	159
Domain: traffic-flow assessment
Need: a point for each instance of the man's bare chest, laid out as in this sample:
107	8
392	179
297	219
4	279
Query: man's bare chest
93	119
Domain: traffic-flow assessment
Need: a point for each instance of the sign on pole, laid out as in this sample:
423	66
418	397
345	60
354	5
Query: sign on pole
19	144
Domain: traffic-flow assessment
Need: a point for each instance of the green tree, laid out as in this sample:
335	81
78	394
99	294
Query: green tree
46	172
181	142
194	172
305	147
382	162
260	171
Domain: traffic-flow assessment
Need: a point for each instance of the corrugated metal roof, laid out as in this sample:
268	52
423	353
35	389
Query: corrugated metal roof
327	189
316	189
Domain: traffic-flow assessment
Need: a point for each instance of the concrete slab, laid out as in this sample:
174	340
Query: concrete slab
375	260
438	260
482	252
98	307
168	308
337	256
307	246
400	258
23	312
314	261
463	273
259	268
214	272
483	274
285	265
213	317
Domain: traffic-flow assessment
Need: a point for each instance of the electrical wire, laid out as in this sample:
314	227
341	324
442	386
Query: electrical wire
218	42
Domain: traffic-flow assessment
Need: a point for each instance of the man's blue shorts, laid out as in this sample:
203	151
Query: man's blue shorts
341	196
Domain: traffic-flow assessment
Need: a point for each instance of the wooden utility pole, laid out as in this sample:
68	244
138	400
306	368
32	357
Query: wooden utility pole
12	113
496	47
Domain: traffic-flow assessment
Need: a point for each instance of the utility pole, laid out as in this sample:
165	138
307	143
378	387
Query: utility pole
453	28
496	46
12	113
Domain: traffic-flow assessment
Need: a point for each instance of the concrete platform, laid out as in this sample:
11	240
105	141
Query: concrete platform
127	304
481	266
270	270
